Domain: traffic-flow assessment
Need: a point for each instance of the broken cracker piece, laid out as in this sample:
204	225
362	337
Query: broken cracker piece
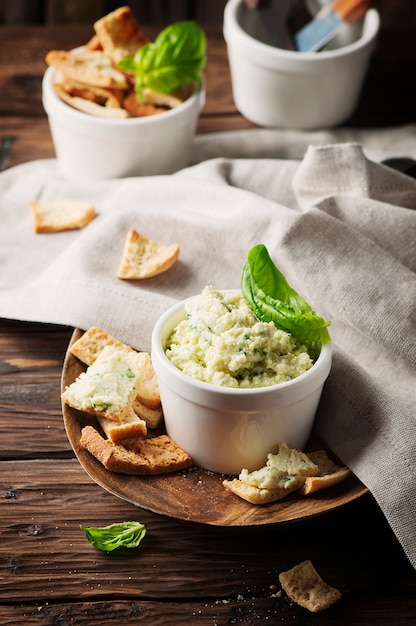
57	215
330	474
91	67
120	34
304	586
144	258
131	427
108	386
256	495
148	388
92	342
88	106
159	455
152	417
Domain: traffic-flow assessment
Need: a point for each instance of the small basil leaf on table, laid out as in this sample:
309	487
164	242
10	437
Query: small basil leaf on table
273	300
108	538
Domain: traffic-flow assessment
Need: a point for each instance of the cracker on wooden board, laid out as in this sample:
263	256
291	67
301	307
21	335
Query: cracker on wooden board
144	258
108	386
131	427
305	586
158	455
148	388
147	404
92	342
58	215
288	468
256	495
326	474
152	417
120	34
330	473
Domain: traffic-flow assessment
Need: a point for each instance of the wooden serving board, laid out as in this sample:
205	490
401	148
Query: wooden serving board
195	494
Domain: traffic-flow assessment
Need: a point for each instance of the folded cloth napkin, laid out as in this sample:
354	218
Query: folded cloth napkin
338	224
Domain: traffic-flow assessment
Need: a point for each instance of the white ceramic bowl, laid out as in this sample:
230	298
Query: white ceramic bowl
228	429
93	148
283	88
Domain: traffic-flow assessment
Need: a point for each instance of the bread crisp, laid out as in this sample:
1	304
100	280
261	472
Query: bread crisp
283	474
159	455
330	474
148	388
120	34
108	386
152	417
304	586
131	427
144	258
91	67
86	105
58	215
256	495
92	342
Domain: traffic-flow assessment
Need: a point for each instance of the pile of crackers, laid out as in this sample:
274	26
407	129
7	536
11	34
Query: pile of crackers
303	473
126	403
90	81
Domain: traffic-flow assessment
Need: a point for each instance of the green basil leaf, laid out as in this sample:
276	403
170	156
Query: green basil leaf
176	57
108	538
273	300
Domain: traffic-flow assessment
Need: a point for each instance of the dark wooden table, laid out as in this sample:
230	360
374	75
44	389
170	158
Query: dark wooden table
49	573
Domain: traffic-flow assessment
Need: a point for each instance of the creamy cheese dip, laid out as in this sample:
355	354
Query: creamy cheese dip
222	342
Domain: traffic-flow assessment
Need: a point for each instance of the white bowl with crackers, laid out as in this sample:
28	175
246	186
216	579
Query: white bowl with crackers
225	429
101	128
89	147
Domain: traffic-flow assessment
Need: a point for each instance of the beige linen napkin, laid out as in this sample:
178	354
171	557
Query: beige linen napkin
339	225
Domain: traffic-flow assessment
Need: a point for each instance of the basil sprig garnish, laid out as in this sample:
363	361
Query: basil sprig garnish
108	538
273	300
176	57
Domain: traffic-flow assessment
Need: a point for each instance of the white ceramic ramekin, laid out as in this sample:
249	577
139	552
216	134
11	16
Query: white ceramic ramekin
94	148
283	88
228	429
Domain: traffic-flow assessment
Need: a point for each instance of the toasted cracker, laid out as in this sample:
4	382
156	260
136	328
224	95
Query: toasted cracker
144	258
159	455
147	400
304	586
131	427
330	474
283	474
57	215
148	388
92	342
256	495
112	98
152	417
85	105
136	108
108	387
120	34
91	67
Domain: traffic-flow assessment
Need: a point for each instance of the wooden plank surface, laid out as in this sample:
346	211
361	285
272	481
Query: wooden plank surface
45	501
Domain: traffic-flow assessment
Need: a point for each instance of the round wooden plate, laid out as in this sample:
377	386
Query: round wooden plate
195	494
